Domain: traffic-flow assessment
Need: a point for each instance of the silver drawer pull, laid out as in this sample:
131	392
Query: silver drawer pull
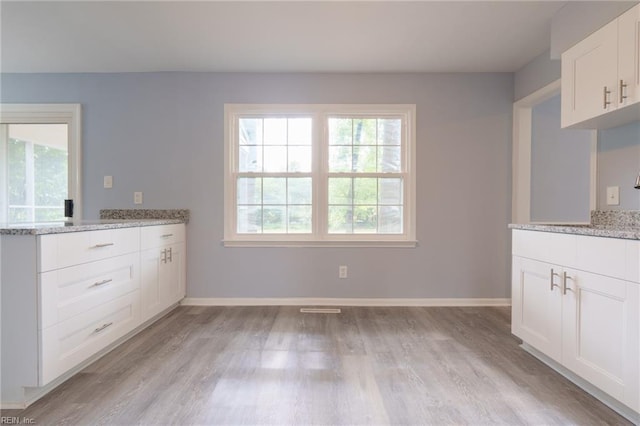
103	245
166	235
170	257
99	329
99	283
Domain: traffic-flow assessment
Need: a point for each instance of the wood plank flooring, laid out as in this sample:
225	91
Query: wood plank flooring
277	366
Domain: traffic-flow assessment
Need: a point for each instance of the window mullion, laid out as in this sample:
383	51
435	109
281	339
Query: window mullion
320	200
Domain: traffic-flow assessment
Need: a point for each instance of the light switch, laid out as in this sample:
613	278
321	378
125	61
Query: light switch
613	195
108	181
137	198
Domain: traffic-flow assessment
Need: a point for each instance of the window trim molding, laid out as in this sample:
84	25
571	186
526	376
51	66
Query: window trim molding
316	239
70	114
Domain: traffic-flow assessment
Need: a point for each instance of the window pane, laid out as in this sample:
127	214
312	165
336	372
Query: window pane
274	191
299	219
365	220
50	180
340	191
273	219
340	131
275	131
17	175
340	159
364	159
364	131
249	219
275	158
389	159
340	220
250	131
249	191
390	191
299	191
389	131
300	159
299	131
250	158
37	171
365	191
390	220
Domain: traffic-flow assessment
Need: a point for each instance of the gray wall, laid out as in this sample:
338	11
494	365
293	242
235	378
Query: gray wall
560	167
162	133
535	75
619	165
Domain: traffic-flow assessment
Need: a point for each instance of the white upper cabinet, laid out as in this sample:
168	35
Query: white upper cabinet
601	76
629	57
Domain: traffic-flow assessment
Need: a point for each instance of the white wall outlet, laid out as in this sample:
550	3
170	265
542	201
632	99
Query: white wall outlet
108	181
137	198
342	271
613	195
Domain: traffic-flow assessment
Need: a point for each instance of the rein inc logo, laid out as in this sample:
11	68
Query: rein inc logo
15	420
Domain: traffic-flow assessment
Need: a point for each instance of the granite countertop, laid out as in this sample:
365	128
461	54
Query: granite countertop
609	231
41	228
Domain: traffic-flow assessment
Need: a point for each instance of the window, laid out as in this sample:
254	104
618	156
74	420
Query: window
39	161
319	175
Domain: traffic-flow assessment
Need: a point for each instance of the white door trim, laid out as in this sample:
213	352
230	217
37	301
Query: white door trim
69	114
521	160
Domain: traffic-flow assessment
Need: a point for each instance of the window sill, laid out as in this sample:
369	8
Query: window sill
342	244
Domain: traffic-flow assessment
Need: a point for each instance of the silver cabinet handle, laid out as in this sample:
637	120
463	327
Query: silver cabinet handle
99	329
103	245
606	102
99	283
170	255
551	283
163	256
565	277
622	87
166	235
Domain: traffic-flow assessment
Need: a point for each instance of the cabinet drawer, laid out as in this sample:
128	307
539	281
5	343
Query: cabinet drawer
157	236
545	246
604	256
71	342
74	248
70	291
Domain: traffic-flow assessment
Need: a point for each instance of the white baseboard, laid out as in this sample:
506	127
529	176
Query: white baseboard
328	301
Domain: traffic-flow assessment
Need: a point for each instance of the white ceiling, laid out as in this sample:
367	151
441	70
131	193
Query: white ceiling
320	36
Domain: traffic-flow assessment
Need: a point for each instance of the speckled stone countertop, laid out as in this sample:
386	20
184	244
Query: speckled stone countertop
591	230
610	224
42	228
129	214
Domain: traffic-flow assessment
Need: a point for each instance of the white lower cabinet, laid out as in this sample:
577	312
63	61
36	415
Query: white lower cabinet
600	333
584	320
162	269
67	297
537	306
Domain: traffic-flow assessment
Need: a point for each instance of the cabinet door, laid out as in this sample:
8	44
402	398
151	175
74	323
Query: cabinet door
588	70
629	57
173	283
600	333
151	282
537	305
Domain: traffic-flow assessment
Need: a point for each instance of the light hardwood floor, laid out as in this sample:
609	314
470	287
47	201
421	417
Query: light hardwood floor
275	365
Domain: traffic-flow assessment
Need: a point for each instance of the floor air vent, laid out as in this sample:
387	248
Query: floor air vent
320	310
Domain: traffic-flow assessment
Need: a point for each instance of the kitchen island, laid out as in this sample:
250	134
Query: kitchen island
72	291
576	305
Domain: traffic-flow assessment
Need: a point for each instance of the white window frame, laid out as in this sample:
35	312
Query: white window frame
69	114
319	236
